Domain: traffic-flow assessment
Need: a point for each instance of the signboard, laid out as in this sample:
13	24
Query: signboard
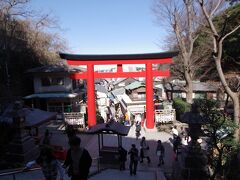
75	119
164	116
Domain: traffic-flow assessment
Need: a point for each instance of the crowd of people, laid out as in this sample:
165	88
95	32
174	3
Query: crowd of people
136	156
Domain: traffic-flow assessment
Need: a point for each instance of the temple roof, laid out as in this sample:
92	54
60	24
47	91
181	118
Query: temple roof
56	68
134	85
84	57
197	87
110	128
33	117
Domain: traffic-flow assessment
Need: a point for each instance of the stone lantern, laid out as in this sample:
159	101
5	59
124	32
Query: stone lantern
22	147
193	160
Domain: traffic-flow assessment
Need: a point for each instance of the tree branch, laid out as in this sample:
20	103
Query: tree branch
216	7
208	17
231	32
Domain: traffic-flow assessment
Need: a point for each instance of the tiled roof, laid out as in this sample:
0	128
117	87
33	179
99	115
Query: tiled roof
52	95
134	85
101	88
121	80
110	128
118	91
197	87
56	68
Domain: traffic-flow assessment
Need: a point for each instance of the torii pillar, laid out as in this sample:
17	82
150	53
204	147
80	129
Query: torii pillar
149	97
91	96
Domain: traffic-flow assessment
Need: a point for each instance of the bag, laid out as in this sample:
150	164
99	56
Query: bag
159	153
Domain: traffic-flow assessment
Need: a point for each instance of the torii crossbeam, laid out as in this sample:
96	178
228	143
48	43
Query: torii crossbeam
119	60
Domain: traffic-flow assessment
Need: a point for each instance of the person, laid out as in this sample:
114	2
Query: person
176	144
122	157
183	133
138	129
47	138
133	160
184	136
70	132
160	151
144	150
78	160
174	131
138	118
50	166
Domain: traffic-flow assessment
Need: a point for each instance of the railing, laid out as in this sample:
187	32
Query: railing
97	159
18	171
14	172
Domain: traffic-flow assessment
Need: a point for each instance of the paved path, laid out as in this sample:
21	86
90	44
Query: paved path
143	168
151	137
120	175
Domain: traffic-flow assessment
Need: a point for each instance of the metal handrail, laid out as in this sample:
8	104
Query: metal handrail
18	171
98	163
26	170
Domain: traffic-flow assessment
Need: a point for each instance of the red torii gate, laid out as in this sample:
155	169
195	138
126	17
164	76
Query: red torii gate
119	60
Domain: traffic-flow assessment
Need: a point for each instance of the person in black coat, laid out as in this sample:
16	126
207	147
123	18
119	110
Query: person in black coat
78	160
133	160
122	157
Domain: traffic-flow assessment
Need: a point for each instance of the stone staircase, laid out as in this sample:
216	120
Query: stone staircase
110	174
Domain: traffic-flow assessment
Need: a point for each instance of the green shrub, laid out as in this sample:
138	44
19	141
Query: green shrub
181	107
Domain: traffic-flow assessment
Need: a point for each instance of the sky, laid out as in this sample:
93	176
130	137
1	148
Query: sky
105	26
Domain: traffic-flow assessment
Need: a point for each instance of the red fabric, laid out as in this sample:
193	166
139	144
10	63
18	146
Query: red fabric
61	155
142	122
59	152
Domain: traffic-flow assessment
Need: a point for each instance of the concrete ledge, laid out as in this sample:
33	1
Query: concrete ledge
150	130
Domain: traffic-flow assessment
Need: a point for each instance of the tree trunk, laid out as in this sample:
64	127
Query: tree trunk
189	87
226	102
217	55
234	96
236	116
189	93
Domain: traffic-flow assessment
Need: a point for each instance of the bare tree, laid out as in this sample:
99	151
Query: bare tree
218	36
182	19
24	43
9	11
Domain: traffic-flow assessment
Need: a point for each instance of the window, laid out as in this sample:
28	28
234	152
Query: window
77	84
46	81
142	95
59	107
58	81
52	81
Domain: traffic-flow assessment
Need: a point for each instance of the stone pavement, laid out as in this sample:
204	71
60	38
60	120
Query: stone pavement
113	174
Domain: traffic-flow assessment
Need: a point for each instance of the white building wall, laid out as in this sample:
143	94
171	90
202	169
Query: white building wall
66	87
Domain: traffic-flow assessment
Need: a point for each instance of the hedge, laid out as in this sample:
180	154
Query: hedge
181	107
